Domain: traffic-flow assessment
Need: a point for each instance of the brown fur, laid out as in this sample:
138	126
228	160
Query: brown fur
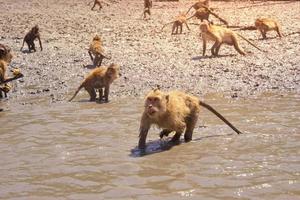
5	58
177	24
267	24
173	111
199	4
30	37
96	50
96	2
147	7
219	35
99	78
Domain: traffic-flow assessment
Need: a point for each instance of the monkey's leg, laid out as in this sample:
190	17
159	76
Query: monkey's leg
33	46
264	34
173	28
29	46
176	137
1	96
96	61
217	49
92	93
213	48
278	32
164	132
91	55
101	57
100	6
204	46
100	94
237	48
180	28
190	125
106	93
93	6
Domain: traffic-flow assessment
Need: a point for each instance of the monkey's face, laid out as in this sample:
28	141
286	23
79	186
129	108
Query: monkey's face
155	104
5	53
96	38
113	71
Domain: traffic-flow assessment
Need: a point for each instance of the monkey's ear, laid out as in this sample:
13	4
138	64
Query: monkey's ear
167	98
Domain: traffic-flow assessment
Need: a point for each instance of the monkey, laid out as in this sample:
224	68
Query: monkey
173	111
220	35
204	12
147	7
96	2
177	23
267	24
198	5
30	37
96	50
5	59
99	78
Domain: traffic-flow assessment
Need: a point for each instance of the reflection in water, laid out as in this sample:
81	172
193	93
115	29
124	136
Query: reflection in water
83	150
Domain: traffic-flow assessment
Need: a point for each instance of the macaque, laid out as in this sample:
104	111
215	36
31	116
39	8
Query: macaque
96	2
99	78
147	7
203	13
220	35
267	24
5	58
30	37
177	24
173	111
199	4
96	50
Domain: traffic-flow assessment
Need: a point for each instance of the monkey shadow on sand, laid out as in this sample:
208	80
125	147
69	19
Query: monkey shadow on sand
162	145
210	57
27	51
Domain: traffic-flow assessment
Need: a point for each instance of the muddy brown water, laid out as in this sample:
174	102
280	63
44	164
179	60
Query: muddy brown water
84	150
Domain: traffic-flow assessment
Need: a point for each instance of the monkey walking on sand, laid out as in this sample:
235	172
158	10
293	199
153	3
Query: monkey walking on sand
173	111
221	35
30	37
267	24
177	24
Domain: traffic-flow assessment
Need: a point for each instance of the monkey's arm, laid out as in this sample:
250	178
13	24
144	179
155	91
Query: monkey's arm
39	38
11	79
144	128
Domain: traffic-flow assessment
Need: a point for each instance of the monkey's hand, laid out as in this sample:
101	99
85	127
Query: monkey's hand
17	73
6	88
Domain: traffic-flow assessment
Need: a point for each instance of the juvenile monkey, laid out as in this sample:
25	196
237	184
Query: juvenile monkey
96	2
30	37
199	4
96	50
177	24
147	7
220	35
99	78
173	111
267	24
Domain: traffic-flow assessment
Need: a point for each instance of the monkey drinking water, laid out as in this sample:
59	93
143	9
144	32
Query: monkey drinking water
173	111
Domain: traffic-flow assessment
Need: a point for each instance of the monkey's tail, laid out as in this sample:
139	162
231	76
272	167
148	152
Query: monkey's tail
201	103
189	10
165	26
79	88
250	42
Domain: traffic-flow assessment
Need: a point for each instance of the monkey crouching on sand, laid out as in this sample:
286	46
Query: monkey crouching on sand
173	111
30	37
99	78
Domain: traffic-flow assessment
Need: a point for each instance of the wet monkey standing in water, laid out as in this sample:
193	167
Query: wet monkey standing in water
96	2
5	59
147	7
177	24
220	35
267	24
173	111
99	78
30	37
